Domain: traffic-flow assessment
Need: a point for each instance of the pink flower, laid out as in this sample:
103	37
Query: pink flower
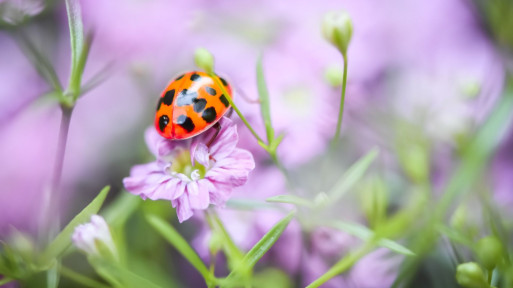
87	236
191	174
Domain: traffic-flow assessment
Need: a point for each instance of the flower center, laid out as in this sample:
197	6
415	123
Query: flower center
182	164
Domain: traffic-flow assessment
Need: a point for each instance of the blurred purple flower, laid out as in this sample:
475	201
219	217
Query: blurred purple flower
196	178
86	236
328	246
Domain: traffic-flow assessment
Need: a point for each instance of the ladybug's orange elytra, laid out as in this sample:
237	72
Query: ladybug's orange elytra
191	104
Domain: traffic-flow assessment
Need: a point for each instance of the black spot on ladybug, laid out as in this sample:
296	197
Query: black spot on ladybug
168	97
211	91
224	81
224	100
186	98
179	77
159	103
199	105
195	77
209	115
163	121
185	122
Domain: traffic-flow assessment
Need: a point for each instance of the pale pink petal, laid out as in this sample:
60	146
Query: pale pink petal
225	141
198	194
201	155
183	208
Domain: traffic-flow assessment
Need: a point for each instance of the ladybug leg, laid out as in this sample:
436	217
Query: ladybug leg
229	113
245	97
216	126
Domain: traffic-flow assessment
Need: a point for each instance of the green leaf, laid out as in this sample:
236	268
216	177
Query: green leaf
274	143
455	235
260	248
118	212
352	175
291	199
63	240
249	204
79	47
53	276
5	281
40	61
264	101
96	79
120	276
175	239
231	250
266	242
366	234
76	29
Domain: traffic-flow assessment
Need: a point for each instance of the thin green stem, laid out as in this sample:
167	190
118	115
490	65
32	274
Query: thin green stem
81	279
342	101
343	265
6	280
229	98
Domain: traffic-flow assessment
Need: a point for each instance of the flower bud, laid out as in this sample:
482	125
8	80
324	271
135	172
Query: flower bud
204	60
459	218
374	201
337	28
334	76
415	161
489	251
94	238
470	275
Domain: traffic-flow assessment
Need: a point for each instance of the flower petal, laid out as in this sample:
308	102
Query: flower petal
225	141
201	155
198	194
183	208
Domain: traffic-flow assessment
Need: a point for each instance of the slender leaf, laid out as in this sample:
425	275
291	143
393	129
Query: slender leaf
366	234
53	276
233	252
455	236
264	101
96	79
352	175
118	212
81	279
249	204
40	61
63	240
175	239
266	242
5	280
76	29
291	199
120	276
260	248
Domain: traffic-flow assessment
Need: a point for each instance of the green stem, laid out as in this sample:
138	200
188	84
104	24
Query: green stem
343	265
6	280
342	101
229	98
81	279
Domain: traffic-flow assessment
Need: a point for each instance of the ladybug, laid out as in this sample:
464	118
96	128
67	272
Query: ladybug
191	104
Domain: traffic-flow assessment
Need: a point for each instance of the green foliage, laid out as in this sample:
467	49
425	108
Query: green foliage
63	240
174	238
